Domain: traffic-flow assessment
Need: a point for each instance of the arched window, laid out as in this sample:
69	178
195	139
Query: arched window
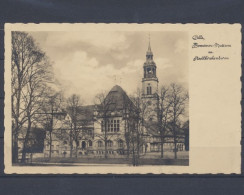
149	90
100	143
120	143
110	143
148	70
90	143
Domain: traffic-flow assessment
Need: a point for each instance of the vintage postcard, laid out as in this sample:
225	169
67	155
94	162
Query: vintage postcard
122	98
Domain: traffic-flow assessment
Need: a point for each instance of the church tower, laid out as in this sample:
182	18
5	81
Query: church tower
150	87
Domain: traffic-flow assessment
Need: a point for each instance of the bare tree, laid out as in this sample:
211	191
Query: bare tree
178	98
73	105
106	104
135	109
51	108
35	142
30	71
163	115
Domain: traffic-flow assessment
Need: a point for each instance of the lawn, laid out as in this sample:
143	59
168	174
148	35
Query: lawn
148	159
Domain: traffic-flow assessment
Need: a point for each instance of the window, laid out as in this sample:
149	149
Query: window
65	142
100	143
148	70
154	147
110	143
102	126
121	152
90	143
117	125
83	144
120	144
89	132
112	126
149	90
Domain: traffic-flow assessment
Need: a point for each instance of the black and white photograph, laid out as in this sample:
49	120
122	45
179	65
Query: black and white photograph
121	98
100	98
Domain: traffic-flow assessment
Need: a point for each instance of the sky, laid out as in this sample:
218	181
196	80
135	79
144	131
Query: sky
88	63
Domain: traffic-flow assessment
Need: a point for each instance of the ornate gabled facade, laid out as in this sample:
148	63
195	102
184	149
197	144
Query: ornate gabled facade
110	123
97	125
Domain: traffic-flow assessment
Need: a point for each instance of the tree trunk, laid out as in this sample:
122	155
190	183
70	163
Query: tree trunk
31	157
162	146
138	145
15	150
174	133
26	141
71	142
50	145
127	139
71	150
127	146
175	151
106	152
105	140
175	144
186	142
133	154
76	149
51	130
15	131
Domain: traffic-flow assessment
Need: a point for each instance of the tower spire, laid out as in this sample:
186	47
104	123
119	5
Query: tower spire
149	43
150	85
149	54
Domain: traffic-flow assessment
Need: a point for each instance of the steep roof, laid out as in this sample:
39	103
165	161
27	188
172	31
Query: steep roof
117	99
84	113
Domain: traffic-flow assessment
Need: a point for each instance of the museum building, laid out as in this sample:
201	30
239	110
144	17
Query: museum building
108	122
